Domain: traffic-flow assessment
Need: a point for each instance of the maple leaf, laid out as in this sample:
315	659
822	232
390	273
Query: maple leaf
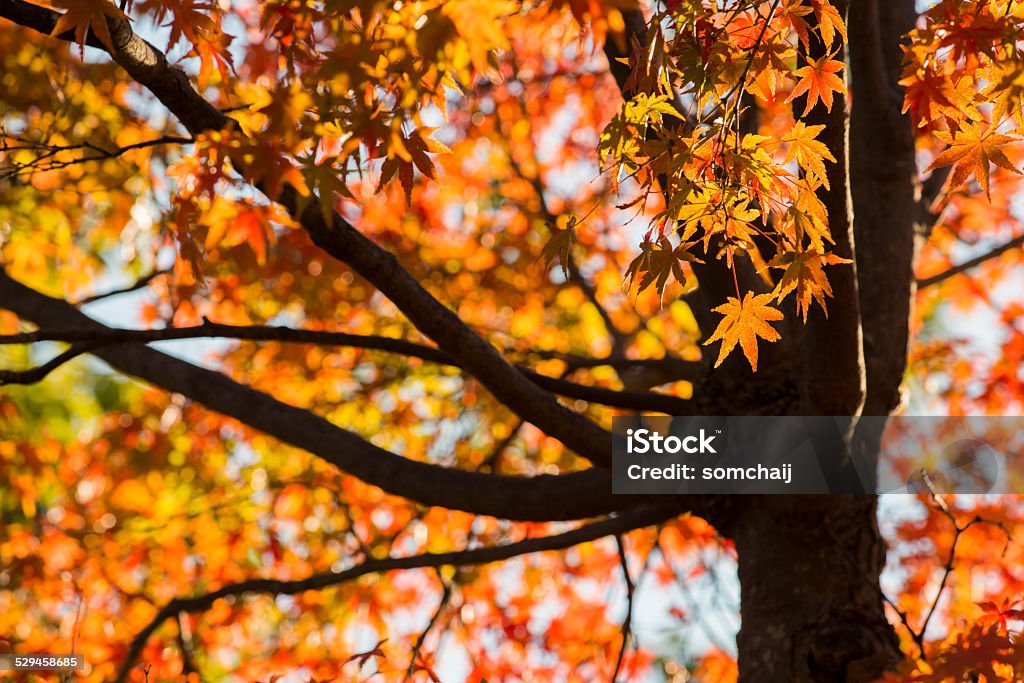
794	12
808	218
818	79
744	322
407	153
928	95
327	180
979	650
971	150
808	152
418	144
1000	614
363	657
658	262
829	22
804	272
85	16
1006	91
644	109
560	244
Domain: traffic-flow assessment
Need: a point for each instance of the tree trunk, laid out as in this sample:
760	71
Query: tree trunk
811	602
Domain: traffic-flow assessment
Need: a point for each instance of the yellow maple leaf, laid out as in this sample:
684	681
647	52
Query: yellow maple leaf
744	322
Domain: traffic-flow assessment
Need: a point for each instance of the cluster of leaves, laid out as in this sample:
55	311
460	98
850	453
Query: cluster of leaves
732	192
964	80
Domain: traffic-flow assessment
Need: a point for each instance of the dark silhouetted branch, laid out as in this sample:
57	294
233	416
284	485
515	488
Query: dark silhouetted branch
630	400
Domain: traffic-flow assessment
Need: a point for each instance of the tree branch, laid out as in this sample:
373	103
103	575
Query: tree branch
833	380
134	287
446	594
149	67
37	374
465	558
885	205
630	400
627	623
970	263
541	498
47	155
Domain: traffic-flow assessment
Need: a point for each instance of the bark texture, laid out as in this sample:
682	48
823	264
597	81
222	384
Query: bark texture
811	603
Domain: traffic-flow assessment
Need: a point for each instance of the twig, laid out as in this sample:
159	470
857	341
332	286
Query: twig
917	635
958	531
135	286
627	623
37	374
971	263
491	462
446	595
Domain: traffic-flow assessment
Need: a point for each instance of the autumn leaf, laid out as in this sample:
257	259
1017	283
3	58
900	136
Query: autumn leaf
85	16
808	152
363	657
819	81
326	180
559	245
971	150
744	322
928	95
829	22
1002	613
657	263
804	273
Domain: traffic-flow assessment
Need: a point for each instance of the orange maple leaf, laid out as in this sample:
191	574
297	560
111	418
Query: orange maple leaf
805	274
744	322
83	16
830	22
818	79
808	152
971	150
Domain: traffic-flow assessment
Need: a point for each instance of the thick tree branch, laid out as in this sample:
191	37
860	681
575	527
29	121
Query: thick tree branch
883	171
971	263
149	67
543	498
832	369
465	558
630	400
